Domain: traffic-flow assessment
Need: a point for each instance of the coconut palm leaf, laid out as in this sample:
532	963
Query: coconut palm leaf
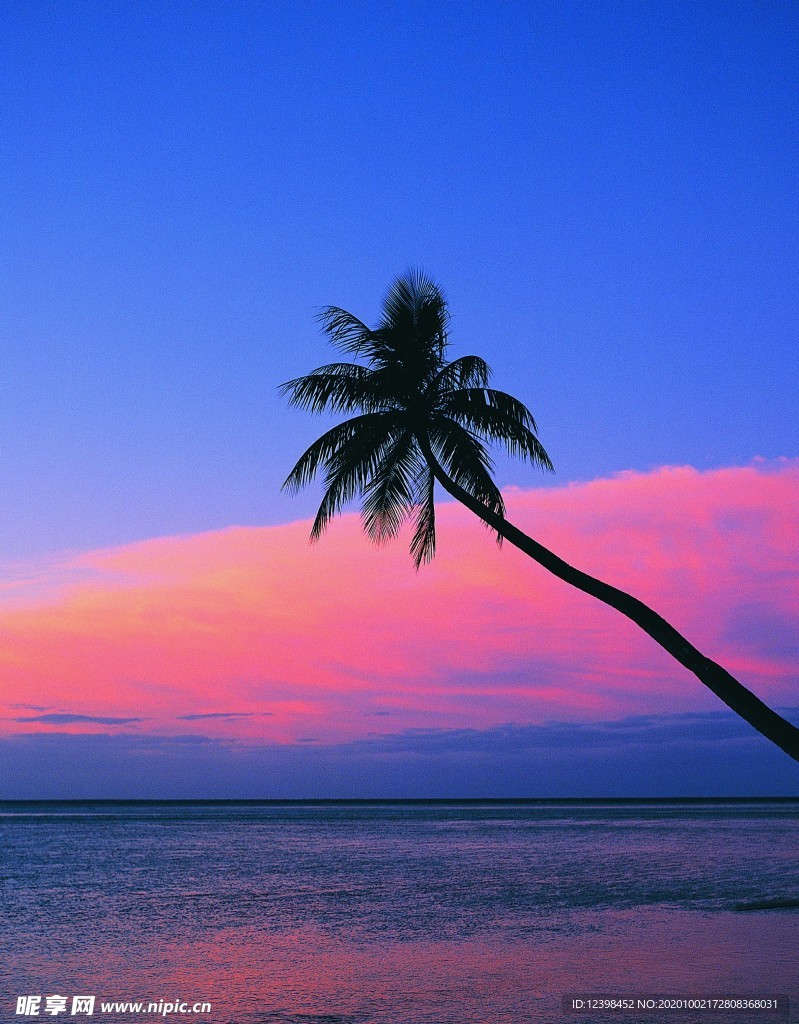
390	494
465	372
497	417
338	387
423	541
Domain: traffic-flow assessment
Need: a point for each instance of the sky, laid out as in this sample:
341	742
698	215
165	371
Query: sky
606	194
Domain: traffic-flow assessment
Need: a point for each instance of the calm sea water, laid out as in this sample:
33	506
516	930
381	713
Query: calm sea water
470	913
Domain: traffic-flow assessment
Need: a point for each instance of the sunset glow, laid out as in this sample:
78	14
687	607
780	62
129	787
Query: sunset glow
255	634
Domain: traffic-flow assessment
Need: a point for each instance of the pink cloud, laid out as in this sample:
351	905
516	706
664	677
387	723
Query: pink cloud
282	640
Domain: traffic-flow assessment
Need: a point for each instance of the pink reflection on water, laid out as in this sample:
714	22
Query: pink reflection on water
308	975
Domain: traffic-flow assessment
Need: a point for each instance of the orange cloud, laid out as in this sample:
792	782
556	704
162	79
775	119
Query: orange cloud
270	638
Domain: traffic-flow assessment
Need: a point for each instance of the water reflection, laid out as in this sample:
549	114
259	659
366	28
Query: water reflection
251	975
398	915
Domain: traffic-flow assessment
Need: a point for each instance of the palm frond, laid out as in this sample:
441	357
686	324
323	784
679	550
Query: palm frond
466	372
339	387
348	333
308	464
414	309
351	468
499	417
399	304
389	495
465	458
322	454
423	542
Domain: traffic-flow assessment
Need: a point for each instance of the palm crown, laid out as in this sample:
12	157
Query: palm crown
416	410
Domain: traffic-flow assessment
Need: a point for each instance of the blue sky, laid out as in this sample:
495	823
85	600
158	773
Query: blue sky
606	193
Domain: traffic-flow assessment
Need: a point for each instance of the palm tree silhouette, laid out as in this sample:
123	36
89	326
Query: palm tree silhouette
422	419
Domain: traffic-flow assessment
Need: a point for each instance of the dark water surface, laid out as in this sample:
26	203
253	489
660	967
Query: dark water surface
403	913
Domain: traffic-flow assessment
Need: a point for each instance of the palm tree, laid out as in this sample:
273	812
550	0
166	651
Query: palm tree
422	419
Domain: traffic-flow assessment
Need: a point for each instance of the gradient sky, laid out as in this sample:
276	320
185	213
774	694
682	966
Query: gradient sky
607	194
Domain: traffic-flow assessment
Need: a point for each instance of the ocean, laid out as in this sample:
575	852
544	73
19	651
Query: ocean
469	912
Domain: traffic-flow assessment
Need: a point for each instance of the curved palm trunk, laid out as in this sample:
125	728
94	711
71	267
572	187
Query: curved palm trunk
736	696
